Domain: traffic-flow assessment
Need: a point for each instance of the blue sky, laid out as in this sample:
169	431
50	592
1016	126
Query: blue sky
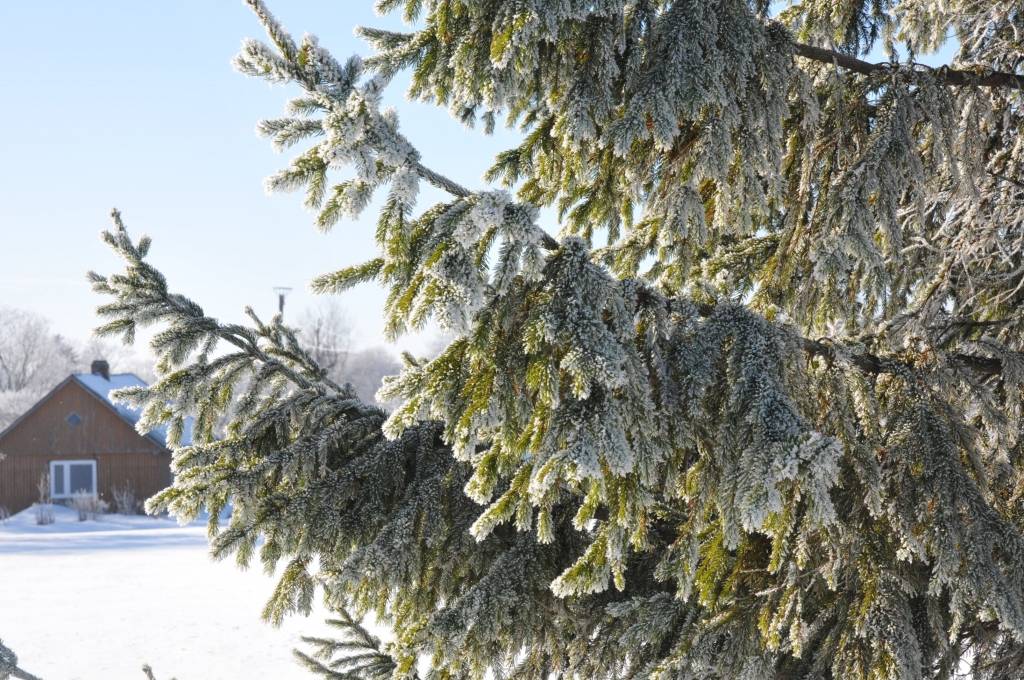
135	104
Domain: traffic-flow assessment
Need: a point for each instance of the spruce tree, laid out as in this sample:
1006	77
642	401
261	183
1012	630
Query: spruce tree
754	410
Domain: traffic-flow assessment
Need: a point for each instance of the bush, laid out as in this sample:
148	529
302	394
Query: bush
88	505
43	509
125	502
44	513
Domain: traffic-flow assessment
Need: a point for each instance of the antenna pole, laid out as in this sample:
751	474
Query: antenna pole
281	291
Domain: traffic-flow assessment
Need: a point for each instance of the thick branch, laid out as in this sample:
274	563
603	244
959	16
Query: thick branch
440	181
459	191
872	363
946	74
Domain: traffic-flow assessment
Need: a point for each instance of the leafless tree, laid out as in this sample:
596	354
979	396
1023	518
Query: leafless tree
122	358
327	334
32	360
30	352
367	368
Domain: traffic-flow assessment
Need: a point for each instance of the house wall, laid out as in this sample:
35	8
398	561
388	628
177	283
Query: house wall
121	454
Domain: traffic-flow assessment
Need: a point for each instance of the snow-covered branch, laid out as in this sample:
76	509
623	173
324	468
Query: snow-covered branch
944	74
771	429
9	666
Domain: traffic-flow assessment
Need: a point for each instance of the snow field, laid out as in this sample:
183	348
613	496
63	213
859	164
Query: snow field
96	600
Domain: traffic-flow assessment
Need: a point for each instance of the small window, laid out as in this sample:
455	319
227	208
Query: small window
81	475
68	477
57	481
74	420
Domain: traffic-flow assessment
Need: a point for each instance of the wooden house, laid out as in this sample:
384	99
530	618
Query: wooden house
85	442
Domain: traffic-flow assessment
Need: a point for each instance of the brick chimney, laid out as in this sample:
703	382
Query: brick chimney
101	367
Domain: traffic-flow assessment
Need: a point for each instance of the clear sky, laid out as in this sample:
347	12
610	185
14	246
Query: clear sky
134	104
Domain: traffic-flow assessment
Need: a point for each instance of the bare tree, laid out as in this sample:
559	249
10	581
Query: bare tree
366	370
327	334
122	358
30	352
32	360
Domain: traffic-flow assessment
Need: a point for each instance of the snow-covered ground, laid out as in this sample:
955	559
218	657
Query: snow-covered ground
96	600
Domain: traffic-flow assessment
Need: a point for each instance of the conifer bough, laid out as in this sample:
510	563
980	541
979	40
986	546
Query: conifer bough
9	666
946	75
753	409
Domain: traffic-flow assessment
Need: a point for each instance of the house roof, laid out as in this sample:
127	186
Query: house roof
102	387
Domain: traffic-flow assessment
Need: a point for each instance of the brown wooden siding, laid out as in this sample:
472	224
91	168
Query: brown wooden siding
121	454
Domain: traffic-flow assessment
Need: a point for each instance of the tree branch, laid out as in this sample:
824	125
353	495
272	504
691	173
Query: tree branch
949	76
874	364
1004	178
9	665
866	362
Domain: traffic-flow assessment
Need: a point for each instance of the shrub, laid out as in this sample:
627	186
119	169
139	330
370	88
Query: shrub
125	502
44	509
88	505
44	513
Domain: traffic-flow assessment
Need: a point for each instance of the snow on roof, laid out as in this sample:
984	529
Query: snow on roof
102	387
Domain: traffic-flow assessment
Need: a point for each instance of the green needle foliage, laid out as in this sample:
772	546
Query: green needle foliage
355	654
9	665
769	427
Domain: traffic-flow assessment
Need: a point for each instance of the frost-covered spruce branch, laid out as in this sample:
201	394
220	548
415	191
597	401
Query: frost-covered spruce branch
335	89
147	670
279	493
293	450
846	171
144	290
9	666
615	469
487	58
950	76
898	112
356	653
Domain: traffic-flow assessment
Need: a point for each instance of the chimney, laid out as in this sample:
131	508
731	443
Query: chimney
101	367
